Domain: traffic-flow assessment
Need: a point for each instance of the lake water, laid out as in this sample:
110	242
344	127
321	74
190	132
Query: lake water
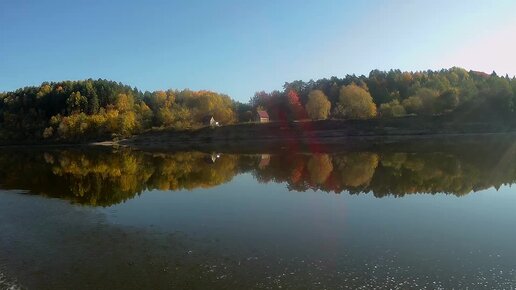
434	217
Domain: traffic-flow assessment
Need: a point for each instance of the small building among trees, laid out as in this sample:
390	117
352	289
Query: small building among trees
210	121
264	161
262	116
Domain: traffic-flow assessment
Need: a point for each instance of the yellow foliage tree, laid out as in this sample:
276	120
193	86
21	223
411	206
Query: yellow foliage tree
355	103
392	109
112	124
124	103
318	107
165	117
44	90
48	132
127	123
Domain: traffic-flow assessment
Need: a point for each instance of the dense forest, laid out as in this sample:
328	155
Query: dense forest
75	110
93	109
472	95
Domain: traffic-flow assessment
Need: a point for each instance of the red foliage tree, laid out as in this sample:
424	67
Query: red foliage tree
297	111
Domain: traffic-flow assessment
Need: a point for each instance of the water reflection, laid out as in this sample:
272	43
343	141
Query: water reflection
107	177
243	234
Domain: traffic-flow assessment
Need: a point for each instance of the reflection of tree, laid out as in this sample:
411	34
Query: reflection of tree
298	168
458	171
395	160
356	170
114	177
102	178
189	170
427	172
105	178
320	167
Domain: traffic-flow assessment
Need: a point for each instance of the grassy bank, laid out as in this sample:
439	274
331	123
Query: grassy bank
316	134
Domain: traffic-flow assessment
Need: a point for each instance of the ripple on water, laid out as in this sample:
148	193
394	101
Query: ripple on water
7	283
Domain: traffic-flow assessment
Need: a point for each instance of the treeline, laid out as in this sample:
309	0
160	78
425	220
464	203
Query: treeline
74	110
471	95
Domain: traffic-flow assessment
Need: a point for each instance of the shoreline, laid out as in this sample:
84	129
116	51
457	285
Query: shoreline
295	135
258	145
163	142
315	135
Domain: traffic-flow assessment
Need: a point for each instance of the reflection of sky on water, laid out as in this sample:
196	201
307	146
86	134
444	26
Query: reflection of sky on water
281	237
258	220
442	239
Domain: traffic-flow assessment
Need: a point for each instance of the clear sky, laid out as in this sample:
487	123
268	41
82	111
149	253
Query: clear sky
238	47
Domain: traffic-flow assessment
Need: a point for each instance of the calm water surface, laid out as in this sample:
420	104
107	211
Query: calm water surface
430	217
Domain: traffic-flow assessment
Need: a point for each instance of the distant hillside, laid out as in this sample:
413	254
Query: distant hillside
76	111
100	109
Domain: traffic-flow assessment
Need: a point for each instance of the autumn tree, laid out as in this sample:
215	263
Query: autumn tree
318	107
423	102
413	104
165	117
124	103
355	103
206	103
76	102
392	109
448	100
144	115
91	94
44	90
297	111
128	123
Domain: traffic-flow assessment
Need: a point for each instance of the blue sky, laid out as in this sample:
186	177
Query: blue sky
239	47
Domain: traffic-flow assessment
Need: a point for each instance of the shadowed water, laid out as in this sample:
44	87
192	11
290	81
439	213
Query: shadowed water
388	217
